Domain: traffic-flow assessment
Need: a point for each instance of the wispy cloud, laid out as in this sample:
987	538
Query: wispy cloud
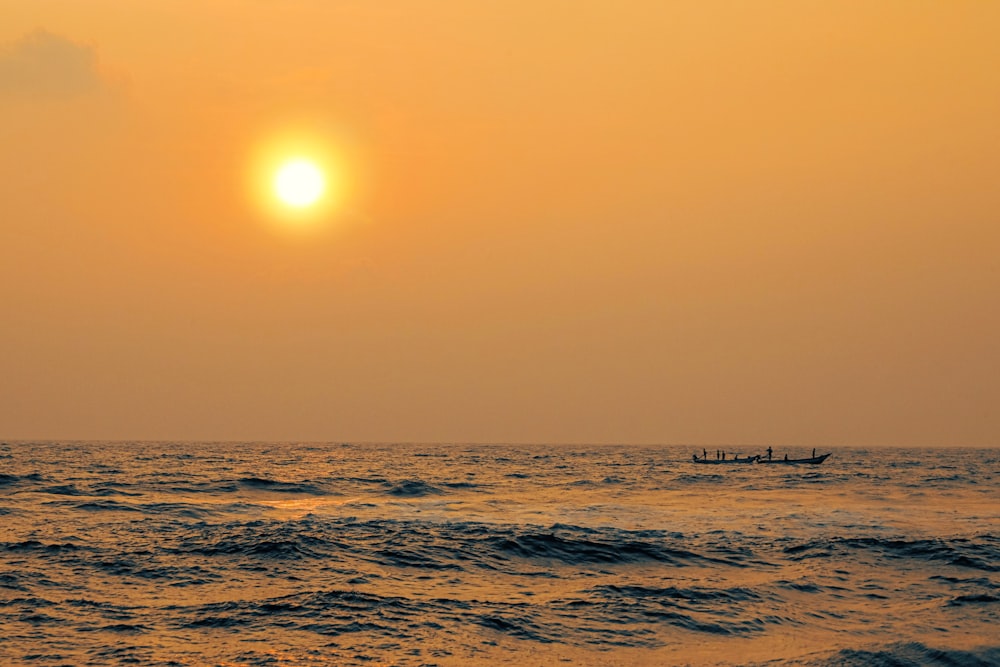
44	65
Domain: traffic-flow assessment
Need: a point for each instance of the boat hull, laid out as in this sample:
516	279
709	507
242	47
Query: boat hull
812	460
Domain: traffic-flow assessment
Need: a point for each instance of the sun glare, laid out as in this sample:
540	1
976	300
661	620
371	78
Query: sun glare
299	183
302	179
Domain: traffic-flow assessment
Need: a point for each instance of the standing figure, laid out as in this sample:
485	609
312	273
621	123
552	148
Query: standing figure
769	452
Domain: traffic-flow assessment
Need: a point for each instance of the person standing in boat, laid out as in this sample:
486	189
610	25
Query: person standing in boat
769	452
704	454
814	452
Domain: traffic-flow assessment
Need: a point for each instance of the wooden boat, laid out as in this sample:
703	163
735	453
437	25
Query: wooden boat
814	460
735	459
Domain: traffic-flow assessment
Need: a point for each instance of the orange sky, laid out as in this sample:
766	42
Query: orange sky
591	221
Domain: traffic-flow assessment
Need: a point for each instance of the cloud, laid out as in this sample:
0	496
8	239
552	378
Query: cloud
44	65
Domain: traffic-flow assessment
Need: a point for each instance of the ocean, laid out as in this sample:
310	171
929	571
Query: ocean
409	554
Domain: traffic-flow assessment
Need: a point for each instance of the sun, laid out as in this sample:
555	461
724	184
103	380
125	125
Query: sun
303	178
299	183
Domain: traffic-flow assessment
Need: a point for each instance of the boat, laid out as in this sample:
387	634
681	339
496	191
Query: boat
814	460
811	460
735	459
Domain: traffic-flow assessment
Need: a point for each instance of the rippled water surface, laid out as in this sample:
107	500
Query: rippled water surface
343	554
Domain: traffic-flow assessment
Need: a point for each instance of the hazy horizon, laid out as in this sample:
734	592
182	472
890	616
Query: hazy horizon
660	222
688	448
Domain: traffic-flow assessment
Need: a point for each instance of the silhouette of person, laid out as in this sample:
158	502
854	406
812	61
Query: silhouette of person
814	452
768	452
786	457
704	454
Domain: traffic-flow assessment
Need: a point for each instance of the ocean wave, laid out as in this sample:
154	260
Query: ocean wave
393	617
637	614
119	628
374	481
711	596
416	558
450	546
981	582
462	485
12	581
103	506
906	654
278	486
981	553
41	547
271	543
231	486
517	626
6	480
975	598
414	488
812	477
704	478
63	490
114	488
188	510
577	550
215	487
340	611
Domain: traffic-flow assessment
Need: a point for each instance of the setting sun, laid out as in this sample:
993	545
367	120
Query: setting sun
301	175
299	183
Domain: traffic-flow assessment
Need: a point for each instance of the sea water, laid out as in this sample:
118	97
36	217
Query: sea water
401	554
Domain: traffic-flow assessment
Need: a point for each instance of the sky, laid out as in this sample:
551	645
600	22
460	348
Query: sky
547	221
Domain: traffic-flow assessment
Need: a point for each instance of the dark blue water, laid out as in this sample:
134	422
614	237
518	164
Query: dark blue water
342	554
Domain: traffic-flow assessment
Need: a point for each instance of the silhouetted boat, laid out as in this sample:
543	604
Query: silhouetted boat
814	460
736	459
